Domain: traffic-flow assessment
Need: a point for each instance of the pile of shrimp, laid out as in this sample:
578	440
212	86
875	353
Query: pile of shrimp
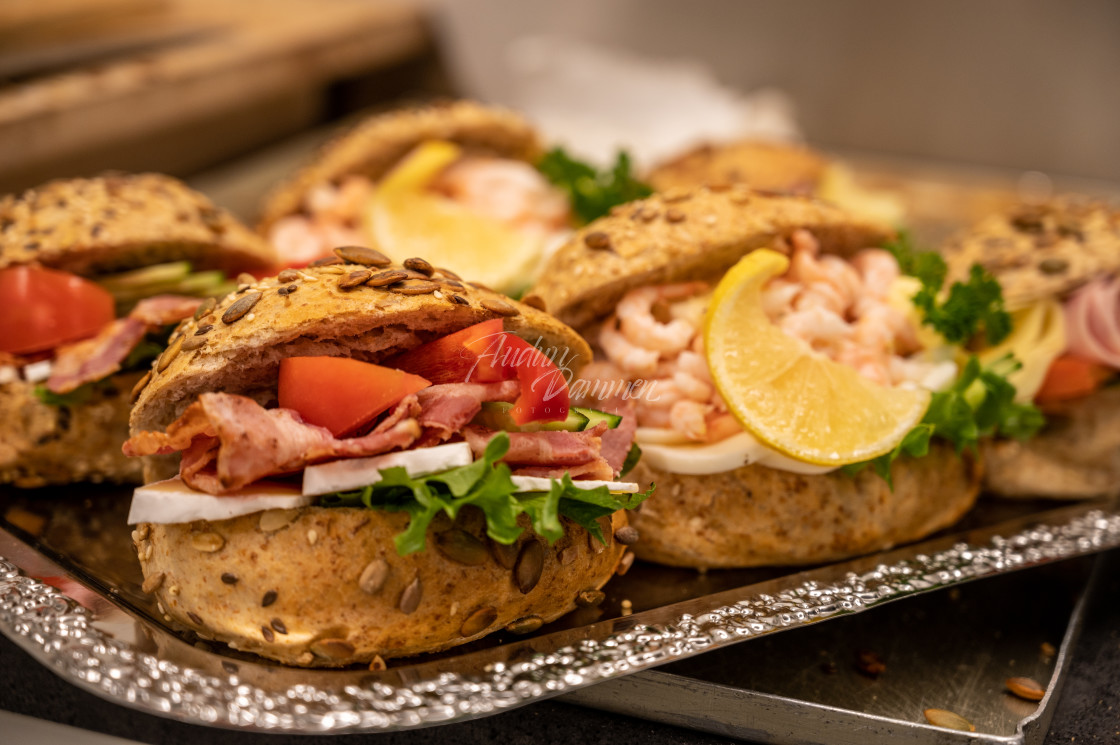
837	308
509	191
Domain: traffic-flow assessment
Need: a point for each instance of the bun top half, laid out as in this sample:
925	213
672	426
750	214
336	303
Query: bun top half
685	235
118	222
1039	251
236	346
374	146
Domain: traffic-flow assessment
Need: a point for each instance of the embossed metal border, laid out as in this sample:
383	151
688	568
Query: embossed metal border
62	635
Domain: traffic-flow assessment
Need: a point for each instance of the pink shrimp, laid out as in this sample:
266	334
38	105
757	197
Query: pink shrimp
507	190
690	418
629	357
878	268
638	324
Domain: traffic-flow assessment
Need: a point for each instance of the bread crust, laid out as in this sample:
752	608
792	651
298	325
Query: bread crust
759	516
319	317
42	444
375	145
675	237
1040	251
768	166
1075	456
119	222
302	591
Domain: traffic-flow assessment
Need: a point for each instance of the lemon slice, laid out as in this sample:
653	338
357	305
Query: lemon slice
795	400
404	219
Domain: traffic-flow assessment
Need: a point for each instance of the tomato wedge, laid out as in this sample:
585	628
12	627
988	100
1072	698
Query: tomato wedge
544	389
44	308
1071	377
467	355
342	394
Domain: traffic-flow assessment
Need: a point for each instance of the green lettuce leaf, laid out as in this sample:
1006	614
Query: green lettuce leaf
487	484
592	193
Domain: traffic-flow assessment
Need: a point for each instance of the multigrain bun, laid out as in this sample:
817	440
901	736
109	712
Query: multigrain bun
681	236
752	515
759	516
769	166
324	587
373	147
46	444
119	222
1037	252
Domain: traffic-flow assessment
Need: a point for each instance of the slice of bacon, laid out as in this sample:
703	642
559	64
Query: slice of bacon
96	358
542	448
447	408
254	442
617	441
160	310
93	359
598	470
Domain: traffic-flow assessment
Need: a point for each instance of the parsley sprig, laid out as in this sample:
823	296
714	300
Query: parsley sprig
592	192
968	307
981	403
487	484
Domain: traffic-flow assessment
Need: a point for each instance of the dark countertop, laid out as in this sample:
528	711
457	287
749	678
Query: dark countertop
1088	710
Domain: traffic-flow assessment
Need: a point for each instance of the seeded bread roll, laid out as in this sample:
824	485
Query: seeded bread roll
1042	251
770	166
236	346
373	147
324	587
753	515
120	222
43	444
758	516
682	236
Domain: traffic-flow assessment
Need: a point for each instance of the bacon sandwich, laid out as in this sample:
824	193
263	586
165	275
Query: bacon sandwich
362	460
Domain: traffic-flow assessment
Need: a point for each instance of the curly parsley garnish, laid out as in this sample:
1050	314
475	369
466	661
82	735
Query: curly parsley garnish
488	485
592	192
968	307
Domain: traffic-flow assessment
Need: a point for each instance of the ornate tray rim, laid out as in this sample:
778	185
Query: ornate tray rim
61	634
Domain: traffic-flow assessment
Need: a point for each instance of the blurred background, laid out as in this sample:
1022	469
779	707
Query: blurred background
190	86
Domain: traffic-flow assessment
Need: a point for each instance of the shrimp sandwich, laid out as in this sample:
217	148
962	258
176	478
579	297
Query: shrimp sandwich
364	460
784	388
94	273
1059	264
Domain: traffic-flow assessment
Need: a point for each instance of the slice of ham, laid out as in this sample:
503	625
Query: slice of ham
598	470
1093	322
549	449
617	441
254	442
93	359
447	408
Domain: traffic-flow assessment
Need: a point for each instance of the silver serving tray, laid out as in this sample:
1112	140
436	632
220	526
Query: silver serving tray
104	635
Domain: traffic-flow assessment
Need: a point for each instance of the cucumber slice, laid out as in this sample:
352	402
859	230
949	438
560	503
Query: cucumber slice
149	275
495	415
594	416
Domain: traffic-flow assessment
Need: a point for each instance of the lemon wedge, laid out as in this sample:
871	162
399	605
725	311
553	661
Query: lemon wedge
793	399
405	219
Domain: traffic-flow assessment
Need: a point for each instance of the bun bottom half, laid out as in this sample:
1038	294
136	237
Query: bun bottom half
325	587
759	516
42	444
1075	456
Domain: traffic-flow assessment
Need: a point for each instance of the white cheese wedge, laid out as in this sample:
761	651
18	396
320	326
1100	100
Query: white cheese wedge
700	459
172	501
354	473
536	483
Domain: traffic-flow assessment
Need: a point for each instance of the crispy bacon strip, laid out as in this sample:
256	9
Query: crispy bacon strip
254	442
101	356
598	470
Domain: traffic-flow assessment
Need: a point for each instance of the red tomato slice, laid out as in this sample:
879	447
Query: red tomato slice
464	356
1071	377
544	389
44	308
342	394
